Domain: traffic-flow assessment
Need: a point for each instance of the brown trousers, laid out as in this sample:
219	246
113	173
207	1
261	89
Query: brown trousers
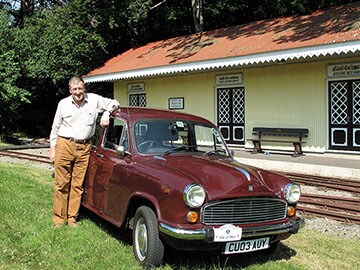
71	161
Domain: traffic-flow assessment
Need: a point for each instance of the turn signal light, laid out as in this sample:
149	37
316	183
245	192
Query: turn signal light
291	211
192	217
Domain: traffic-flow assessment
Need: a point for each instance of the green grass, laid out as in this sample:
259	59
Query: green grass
28	240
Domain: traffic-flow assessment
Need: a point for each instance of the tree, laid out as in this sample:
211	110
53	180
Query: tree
197	9
53	46
12	97
44	42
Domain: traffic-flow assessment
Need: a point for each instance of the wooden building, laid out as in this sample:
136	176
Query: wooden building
290	72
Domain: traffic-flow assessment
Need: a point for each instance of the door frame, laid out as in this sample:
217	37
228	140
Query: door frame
349	127
231	86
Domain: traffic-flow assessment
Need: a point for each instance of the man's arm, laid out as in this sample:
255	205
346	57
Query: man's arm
108	106
105	119
52	153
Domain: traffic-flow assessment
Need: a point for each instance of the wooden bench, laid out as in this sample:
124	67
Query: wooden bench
260	132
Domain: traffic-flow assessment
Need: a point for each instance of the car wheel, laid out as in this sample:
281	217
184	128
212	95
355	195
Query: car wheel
147	245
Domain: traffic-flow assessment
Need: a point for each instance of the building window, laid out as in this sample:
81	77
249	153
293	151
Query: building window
138	100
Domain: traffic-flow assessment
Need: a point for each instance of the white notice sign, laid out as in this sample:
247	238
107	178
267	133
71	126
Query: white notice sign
136	87
229	79
176	103
343	70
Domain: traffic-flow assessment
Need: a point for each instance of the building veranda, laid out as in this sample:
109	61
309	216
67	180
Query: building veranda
300	72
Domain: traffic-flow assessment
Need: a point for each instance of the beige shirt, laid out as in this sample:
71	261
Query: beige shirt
71	121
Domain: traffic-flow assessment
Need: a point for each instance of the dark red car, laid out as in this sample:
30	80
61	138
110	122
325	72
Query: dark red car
170	177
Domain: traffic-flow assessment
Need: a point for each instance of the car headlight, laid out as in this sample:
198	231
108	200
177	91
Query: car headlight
292	192
194	195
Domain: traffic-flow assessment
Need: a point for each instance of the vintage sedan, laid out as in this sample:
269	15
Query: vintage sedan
171	178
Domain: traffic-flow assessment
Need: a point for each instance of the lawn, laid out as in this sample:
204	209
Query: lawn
28	240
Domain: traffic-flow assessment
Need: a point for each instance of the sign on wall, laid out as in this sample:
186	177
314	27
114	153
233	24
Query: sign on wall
136	87
176	103
229	79
343	70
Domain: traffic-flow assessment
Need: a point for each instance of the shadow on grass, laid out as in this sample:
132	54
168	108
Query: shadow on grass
210	260
122	235
191	259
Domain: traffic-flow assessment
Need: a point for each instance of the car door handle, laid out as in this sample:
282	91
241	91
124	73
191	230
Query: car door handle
99	155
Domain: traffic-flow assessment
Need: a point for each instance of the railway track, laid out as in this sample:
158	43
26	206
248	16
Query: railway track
25	156
325	182
345	209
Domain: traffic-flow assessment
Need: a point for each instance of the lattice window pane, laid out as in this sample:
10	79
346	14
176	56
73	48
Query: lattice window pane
238	106
224	106
142	100
138	100
133	100
356	102
339	103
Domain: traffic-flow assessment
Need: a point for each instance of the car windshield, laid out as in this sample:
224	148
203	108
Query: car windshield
176	136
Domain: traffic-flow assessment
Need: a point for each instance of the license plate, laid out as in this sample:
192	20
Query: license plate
227	232
246	245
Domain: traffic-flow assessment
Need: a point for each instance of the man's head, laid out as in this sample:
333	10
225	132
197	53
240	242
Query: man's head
77	89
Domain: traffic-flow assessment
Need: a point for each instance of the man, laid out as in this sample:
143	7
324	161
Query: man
70	143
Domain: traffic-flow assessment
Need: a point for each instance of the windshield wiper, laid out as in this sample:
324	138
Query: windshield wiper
177	149
213	152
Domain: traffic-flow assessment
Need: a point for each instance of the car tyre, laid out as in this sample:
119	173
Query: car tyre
147	245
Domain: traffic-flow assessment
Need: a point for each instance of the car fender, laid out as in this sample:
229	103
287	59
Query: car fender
138	199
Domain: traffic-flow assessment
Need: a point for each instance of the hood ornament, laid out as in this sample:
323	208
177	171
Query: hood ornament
247	175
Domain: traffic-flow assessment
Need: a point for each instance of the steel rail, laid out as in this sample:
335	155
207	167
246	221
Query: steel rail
327	182
322	178
340	216
24	146
25	156
345	209
347	205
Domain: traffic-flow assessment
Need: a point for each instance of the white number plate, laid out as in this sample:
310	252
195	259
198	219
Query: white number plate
246	245
227	232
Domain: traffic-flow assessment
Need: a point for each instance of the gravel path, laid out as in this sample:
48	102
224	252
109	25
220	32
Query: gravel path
323	225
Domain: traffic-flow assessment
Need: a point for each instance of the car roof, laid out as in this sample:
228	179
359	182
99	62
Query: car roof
139	113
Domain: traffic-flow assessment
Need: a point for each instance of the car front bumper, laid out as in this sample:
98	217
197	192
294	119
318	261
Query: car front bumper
207	233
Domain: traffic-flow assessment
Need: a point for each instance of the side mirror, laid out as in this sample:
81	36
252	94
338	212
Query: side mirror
120	151
232	152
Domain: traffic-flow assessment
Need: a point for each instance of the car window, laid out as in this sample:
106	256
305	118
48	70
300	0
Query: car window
174	136
96	137
208	139
157	136
114	133
124	141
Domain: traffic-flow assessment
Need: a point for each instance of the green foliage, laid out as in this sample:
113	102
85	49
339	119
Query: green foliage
44	42
51	46
54	46
12	97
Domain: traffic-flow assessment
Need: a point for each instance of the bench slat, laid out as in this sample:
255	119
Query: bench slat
261	140
281	130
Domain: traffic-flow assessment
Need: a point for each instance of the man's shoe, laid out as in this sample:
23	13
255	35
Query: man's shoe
73	224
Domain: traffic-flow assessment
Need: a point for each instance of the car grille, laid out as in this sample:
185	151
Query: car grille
245	210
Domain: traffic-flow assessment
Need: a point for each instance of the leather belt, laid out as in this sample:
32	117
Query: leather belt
86	141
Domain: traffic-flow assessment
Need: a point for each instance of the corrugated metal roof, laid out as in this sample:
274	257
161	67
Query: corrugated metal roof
335	31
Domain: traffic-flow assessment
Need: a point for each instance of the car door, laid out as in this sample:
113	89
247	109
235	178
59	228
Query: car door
106	172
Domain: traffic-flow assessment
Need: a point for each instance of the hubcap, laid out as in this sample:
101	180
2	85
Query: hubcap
141	239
